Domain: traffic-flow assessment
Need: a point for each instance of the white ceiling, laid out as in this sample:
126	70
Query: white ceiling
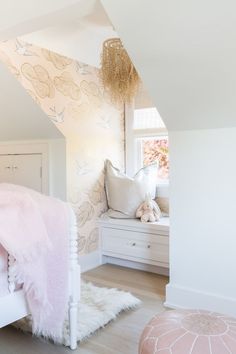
26	16
79	38
185	52
20	117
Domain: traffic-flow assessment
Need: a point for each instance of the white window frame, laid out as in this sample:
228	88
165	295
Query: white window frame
131	135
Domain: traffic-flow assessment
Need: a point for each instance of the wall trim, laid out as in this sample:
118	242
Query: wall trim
184	298
90	261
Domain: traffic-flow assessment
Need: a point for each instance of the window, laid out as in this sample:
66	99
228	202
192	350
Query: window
149	139
147	119
155	149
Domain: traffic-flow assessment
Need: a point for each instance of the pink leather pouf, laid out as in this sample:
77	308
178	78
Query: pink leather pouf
189	332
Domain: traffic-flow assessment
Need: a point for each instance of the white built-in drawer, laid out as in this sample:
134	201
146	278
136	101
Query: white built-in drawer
137	245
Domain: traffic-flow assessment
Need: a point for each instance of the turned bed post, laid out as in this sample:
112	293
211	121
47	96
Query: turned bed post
74	287
10	274
74	281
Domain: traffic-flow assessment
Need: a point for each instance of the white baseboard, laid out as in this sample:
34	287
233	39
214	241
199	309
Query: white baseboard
90	261
181	297
135	265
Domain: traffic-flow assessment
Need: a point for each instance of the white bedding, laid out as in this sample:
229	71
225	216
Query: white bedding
3	272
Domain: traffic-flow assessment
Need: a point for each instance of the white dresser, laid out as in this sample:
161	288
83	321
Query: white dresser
135	242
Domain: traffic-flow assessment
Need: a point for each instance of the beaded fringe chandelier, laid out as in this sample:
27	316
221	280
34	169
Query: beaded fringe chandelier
118	74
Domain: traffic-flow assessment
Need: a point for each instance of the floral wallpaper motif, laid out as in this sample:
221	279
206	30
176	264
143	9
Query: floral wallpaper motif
39	79
66	85
70	93
58	61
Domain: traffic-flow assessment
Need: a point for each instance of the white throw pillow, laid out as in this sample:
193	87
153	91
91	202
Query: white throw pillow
125	194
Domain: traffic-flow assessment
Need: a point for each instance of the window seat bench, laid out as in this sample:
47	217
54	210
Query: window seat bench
131	243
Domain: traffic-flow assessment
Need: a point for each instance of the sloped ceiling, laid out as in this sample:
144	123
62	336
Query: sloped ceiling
25	16
185	52
80	38
20	117
74	28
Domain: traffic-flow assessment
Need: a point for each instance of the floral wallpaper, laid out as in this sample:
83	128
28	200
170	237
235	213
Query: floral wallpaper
70	94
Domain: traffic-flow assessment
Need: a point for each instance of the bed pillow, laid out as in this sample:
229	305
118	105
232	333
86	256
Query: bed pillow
125	194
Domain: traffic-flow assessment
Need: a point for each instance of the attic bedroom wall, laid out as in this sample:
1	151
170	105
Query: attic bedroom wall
189	69
25	128
71	95
202	209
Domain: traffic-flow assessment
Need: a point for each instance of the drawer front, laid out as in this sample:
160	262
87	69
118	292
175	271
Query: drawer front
135	244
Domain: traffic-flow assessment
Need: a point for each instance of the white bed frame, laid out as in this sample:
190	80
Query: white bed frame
14	305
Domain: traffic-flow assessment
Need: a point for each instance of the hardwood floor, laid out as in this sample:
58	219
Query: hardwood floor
118	337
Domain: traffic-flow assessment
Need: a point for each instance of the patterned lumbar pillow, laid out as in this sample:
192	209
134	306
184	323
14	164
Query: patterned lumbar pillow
125	194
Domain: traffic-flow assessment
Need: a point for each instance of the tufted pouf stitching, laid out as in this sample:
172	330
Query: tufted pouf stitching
189	332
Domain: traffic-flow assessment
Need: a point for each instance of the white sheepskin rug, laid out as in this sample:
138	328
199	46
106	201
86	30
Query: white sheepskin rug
98	306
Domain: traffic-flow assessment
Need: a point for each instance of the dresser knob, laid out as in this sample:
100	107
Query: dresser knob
149	246
133	244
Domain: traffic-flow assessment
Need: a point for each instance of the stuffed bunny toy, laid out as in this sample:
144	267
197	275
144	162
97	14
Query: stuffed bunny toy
148	211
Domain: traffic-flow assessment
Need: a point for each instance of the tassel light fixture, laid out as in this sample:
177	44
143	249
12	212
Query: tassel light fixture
118	74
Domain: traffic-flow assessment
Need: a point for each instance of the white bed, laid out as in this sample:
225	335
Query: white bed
13	304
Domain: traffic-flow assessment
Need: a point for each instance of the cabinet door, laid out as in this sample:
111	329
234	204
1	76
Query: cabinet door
6	169
27	171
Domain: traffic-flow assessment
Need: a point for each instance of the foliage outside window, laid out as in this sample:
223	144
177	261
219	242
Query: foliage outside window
156	150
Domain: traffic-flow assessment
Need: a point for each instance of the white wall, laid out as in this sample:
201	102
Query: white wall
23	122
20	117
142	99
54	161
203	220
57	168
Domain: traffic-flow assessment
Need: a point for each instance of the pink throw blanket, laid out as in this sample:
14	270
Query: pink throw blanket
34	229
3	272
